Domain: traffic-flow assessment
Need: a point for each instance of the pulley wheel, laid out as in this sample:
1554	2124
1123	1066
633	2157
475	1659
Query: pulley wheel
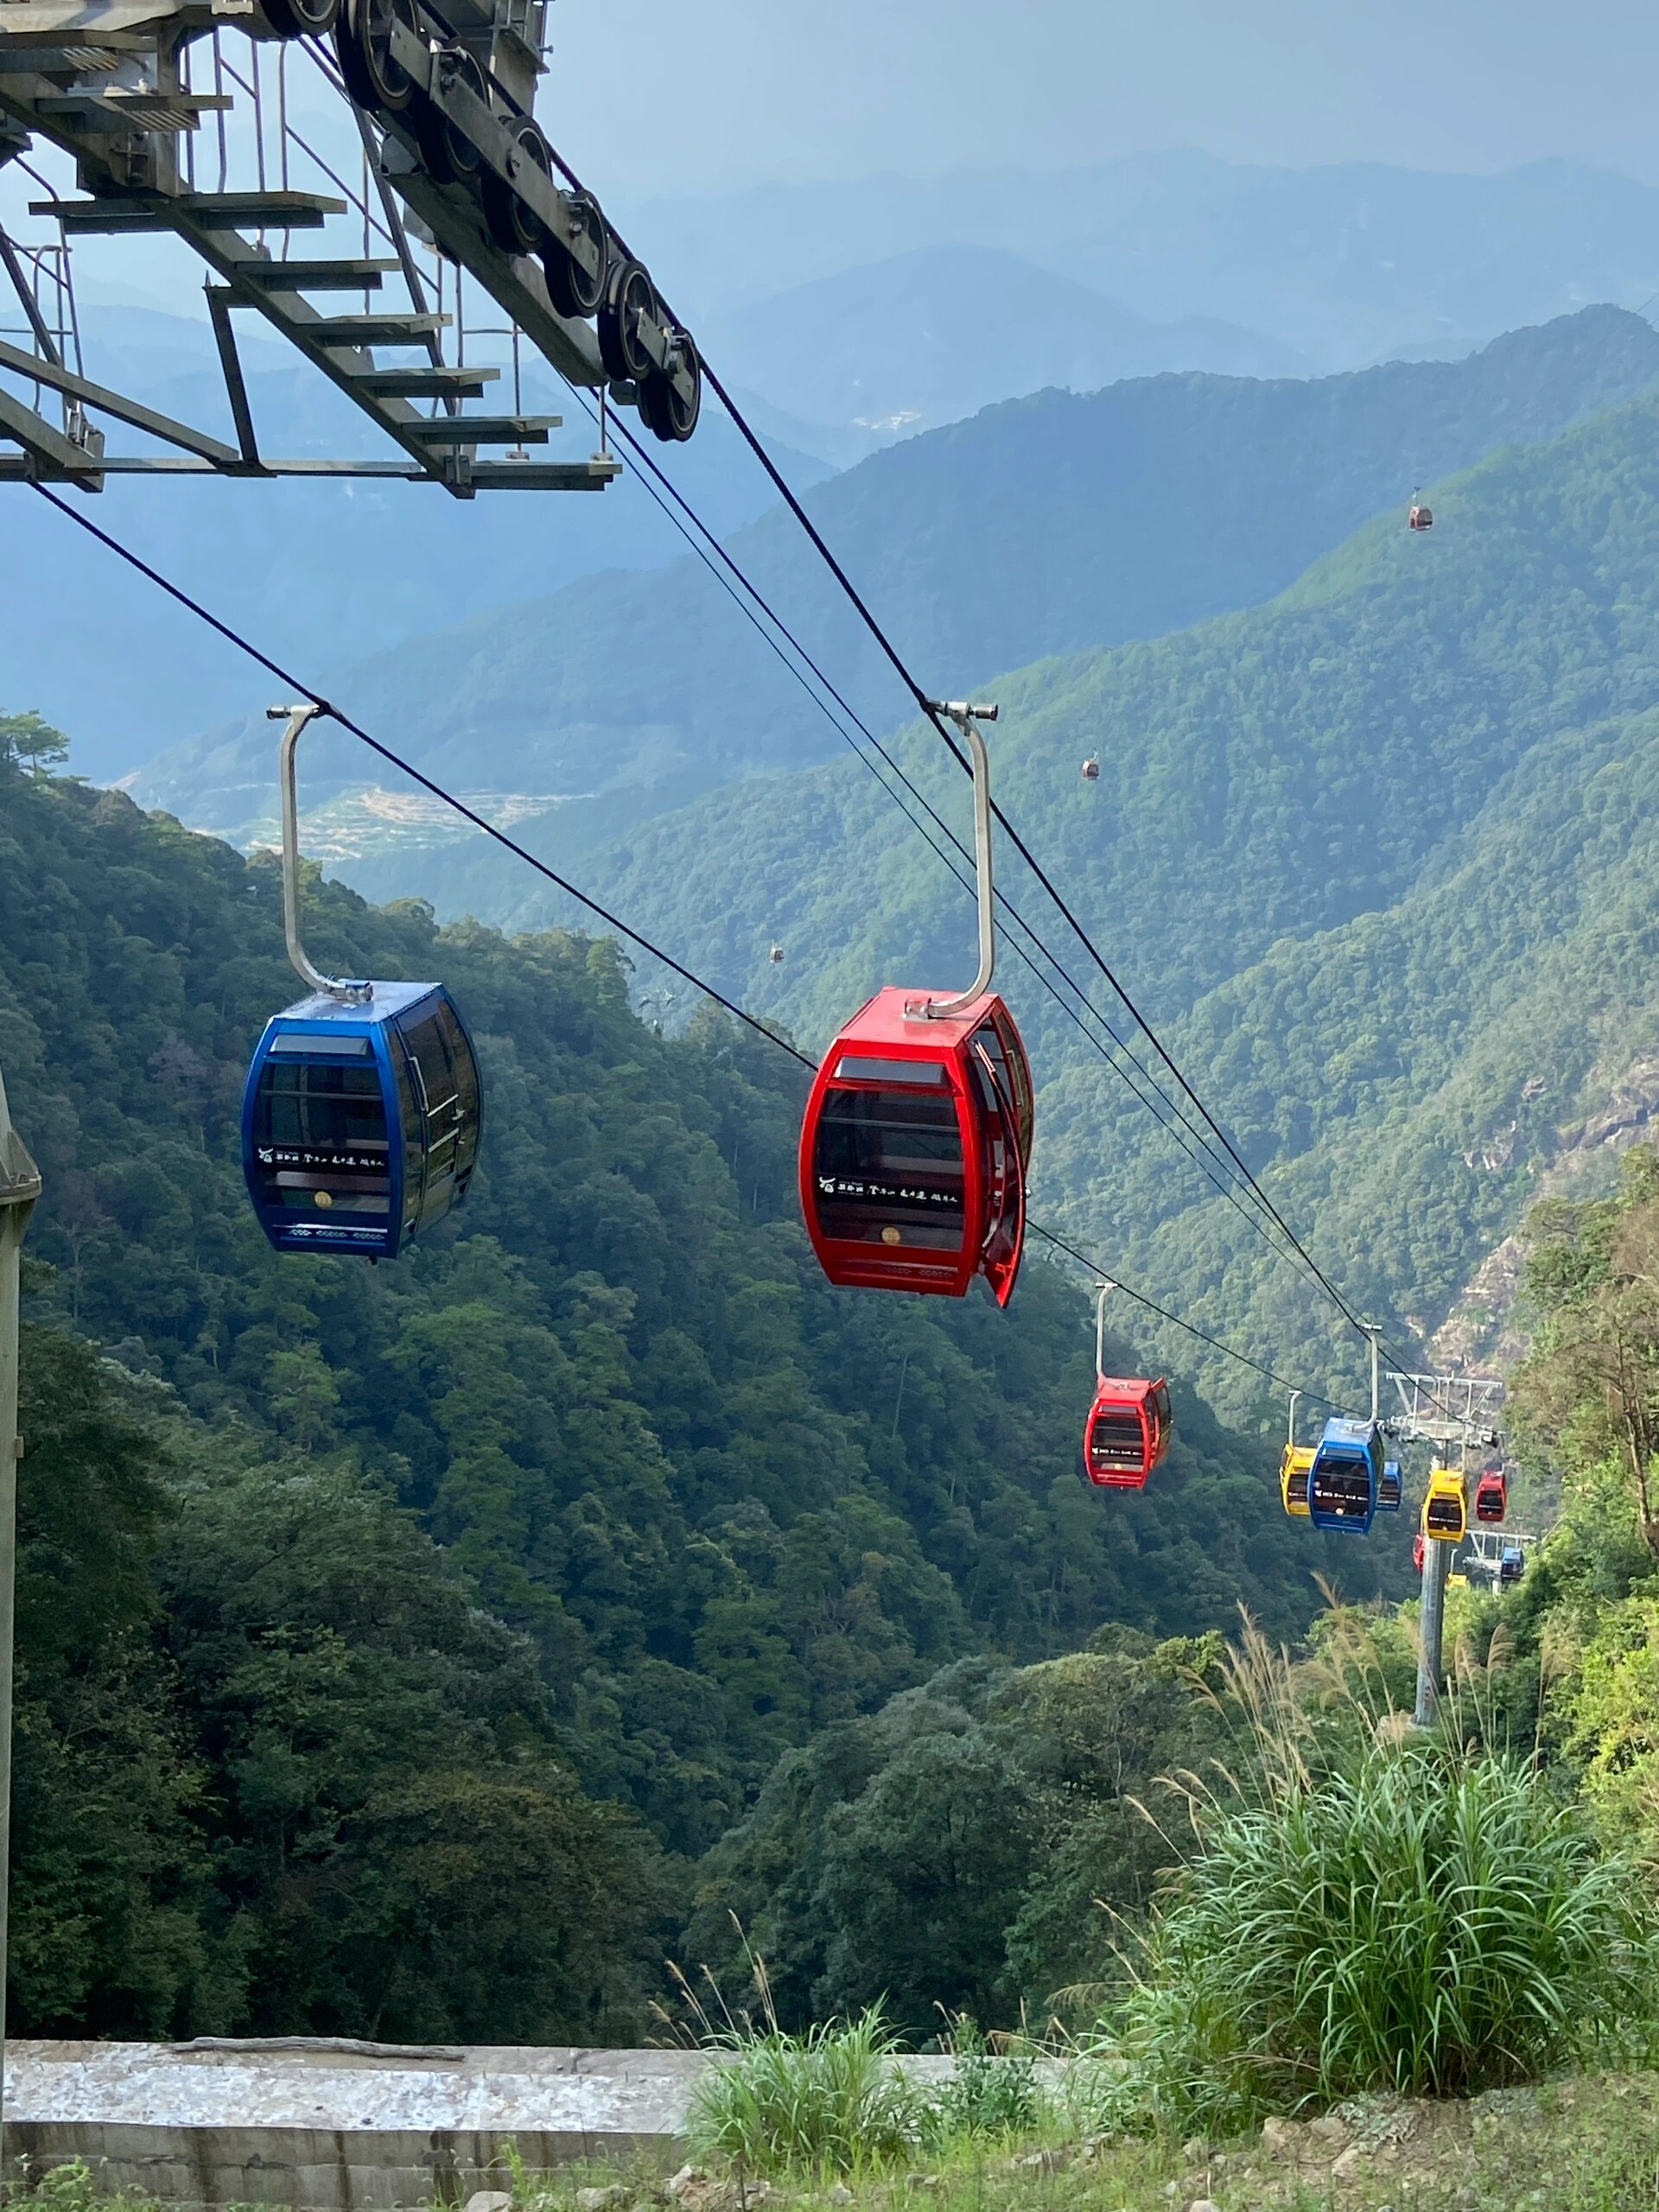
574	288
449	155
363	44
300	18
630	296
671	417
514	224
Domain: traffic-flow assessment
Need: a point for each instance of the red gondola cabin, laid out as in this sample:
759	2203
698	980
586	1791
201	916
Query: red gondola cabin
1420	518
1492	1496
1419	1551
1128	1434
915	1147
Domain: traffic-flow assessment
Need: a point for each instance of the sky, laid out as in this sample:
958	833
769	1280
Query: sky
661	98
730	93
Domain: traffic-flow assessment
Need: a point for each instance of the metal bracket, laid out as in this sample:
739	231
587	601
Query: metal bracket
236	389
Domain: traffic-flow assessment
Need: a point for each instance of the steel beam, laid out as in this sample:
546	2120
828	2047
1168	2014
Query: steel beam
51	453
236	388
590	476
130	411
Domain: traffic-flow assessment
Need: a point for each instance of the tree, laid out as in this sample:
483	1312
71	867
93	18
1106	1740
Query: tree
32	743
1591	1386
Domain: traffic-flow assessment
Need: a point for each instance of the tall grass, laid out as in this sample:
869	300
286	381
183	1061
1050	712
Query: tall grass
1416	1924
828	2101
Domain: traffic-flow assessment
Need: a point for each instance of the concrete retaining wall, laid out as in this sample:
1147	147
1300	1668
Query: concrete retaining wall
324	2125
317	2123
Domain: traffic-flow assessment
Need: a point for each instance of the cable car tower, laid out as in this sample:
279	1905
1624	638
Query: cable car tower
178	116
1451	1412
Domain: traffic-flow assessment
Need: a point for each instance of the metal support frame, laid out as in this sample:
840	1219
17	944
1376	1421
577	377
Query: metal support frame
1290	1425
967	719
20	1186
349	990
1431	1633
102	80
1446	1410
1443	1409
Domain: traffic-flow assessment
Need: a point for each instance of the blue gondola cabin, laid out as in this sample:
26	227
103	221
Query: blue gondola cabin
1346	1477
361	1121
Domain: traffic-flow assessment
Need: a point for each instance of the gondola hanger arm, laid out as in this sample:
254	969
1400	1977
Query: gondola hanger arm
349	990
968	718
1103	1291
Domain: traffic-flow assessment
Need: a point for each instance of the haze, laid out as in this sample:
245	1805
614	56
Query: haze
737	92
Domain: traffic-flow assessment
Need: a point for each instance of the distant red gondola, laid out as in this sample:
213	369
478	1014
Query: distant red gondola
1420	518
1419	1550
1492	1496
1128	1431
917	1130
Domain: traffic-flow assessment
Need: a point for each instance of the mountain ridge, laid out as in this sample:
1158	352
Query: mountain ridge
1044	525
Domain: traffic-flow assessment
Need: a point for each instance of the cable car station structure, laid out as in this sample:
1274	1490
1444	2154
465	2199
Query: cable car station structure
459	184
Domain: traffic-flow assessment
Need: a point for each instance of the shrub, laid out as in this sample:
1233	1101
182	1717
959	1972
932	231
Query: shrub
827	2101
70	2185
990	2094
1418	1923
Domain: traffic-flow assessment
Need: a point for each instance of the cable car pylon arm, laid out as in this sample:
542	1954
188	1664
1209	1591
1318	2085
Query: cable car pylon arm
350	991
968	719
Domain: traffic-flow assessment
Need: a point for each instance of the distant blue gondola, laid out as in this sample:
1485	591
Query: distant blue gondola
1343	1482
1390	1489
361	1121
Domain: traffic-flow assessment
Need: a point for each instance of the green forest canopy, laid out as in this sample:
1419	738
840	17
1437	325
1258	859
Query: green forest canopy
648	1502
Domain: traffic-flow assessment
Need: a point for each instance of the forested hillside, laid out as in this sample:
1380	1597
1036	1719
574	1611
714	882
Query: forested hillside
649	1502
1377	857
999	1835
1042	526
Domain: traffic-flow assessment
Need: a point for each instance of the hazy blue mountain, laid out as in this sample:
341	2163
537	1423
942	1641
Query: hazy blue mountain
1344	264
935	334
1039	527
317	572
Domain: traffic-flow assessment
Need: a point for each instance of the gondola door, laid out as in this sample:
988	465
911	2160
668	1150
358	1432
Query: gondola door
1004	1157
